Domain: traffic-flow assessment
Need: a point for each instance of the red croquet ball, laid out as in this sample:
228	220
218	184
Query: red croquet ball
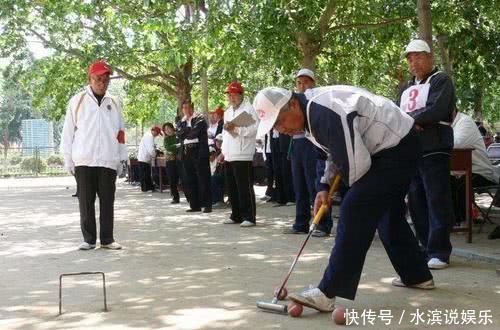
294	309
338	315
282	295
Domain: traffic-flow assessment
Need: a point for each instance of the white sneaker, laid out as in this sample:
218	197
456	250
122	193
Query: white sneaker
314	298
427	285
229	222
247	223
435	263
111	246
86	246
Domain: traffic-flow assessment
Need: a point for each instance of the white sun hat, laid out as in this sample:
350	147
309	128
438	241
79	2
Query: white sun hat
267	104
415	46
305	73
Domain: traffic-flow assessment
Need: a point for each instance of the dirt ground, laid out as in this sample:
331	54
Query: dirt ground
184	271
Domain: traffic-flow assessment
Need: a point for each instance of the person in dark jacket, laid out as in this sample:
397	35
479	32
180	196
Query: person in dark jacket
429	98
305	160
372	146
169	144
192	134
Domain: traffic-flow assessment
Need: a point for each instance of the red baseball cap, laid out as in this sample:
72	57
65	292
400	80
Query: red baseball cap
234	88
99	67
157	130
218	111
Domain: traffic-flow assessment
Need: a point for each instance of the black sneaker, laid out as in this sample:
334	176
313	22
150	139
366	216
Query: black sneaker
174	201
193	210
495	233
207	210
291	230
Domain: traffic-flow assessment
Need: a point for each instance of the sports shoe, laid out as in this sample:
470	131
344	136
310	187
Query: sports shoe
291	230
247	223
207	210
86	246
319	233
193	210
229	222
314	298
111	246
435	263
279	204
174	201
427	285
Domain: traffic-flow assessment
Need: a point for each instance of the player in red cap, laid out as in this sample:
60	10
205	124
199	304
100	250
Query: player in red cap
93	145
238	148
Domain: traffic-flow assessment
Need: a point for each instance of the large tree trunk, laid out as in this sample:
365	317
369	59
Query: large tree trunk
183	84
425	21
310	49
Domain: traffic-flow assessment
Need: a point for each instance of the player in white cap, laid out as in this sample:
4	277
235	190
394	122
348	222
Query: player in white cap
375	150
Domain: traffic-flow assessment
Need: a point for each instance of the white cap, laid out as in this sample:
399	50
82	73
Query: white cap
268	103
416	45
305	73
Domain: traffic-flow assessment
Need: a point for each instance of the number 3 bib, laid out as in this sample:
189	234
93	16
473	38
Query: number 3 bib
415	97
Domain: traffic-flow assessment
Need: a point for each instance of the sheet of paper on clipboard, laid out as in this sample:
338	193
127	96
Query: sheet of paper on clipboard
244	119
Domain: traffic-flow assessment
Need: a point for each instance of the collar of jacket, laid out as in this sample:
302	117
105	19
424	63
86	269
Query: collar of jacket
413	81
90	93
303	107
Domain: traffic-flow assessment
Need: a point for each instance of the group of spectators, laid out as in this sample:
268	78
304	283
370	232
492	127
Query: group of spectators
210	157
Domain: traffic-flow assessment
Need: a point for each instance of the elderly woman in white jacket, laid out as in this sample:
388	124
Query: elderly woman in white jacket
238	148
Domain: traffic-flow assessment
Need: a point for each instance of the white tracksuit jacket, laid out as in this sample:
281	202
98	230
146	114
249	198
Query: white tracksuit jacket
89	137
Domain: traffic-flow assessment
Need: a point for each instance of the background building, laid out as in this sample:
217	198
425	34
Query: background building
37	133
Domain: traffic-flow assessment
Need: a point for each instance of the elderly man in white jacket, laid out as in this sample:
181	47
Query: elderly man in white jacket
93	145
238	148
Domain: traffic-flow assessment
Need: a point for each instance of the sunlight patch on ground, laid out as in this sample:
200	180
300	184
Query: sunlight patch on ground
254	256
203	271
198	318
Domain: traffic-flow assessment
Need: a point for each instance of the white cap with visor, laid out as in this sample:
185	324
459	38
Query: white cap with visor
268	103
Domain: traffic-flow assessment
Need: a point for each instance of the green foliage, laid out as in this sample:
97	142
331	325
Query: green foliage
15	159
55	160
161	48
33	164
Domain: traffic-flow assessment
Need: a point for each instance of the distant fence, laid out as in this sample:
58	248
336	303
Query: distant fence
29	161
35	161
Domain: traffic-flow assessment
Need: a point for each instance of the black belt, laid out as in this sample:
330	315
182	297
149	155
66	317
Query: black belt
191	145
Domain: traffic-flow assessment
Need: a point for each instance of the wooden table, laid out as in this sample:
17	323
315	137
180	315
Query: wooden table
158	162
461	163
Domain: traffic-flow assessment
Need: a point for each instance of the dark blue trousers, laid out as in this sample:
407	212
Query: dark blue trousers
431	207
304	162
376	202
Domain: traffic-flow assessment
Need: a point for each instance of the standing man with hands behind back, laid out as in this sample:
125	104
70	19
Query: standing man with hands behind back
93	145
429	98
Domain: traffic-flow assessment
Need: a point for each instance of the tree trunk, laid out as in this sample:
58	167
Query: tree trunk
478	104
310	49
6	143
443	51
183	84
425	21
204	91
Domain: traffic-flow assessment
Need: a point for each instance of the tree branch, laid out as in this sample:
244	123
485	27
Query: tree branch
326	16
371	25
